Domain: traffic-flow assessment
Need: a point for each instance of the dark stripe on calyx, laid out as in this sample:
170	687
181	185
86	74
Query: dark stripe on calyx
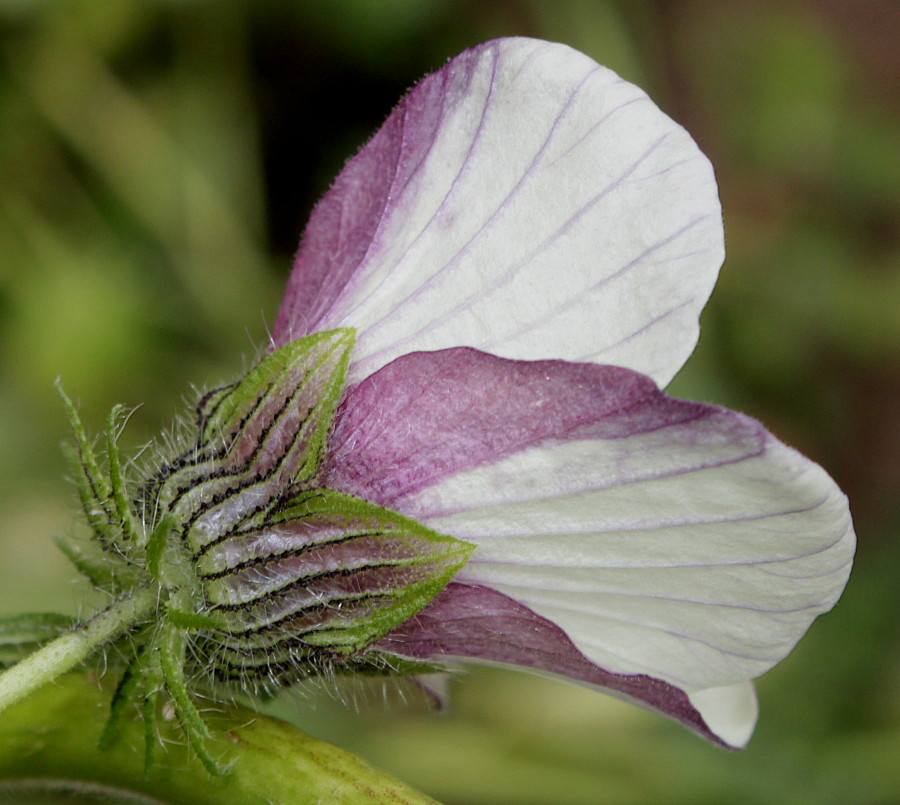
280	568
273	425
332	595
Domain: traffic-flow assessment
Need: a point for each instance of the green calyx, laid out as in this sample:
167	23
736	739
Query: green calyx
231	564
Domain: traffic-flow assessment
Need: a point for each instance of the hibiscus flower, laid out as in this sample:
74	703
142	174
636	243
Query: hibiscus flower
457	448
523	250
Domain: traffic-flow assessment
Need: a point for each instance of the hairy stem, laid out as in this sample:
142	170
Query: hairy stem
68	650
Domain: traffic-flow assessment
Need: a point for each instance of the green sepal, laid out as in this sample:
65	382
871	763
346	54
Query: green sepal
94	490
96	509
315	365
96	569
156	545
254	465
88	459
286	367
125	691
130	531
407	564
171	662
435	561
258	438
194	621
209	403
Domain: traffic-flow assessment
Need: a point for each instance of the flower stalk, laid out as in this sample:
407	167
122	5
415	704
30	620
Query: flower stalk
74	647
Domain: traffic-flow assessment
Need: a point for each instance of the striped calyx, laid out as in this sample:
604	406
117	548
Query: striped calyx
291	578
260	576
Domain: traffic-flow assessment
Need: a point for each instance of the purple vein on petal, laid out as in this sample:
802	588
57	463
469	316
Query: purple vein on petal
667	473
507	276
637	333
502	204
326	261
529	590
583	434
396	197
599	528
576	300
682	636
398	188
676	633
593	129
764	566
773	654
433	393
548	140
648	251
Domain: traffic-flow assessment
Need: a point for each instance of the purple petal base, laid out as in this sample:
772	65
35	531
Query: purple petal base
344	224
428	415
471	622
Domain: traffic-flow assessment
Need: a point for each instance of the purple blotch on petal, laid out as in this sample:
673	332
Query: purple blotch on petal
345	222
427	415
473	622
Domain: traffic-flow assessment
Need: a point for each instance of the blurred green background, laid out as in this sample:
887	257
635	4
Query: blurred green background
157	162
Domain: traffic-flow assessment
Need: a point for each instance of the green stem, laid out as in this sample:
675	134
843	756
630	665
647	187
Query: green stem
68	650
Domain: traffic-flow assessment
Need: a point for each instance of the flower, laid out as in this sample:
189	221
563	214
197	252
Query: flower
457	448
523	250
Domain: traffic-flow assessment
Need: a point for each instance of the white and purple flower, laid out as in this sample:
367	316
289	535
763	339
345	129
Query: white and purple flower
523	250
457	448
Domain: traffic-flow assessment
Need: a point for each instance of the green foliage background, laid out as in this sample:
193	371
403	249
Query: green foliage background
157	161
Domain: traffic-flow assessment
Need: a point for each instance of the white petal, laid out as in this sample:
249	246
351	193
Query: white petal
730	712
697	553
527	202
